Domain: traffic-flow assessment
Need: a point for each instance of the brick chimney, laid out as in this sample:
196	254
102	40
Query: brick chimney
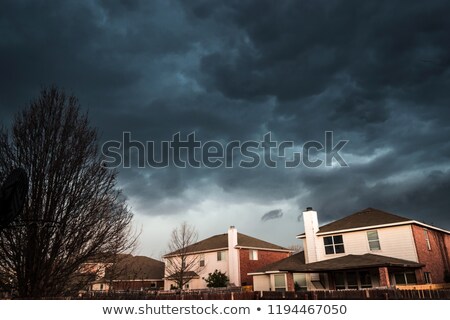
233	257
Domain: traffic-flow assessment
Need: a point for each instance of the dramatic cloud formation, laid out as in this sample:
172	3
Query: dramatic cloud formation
374	73
272	214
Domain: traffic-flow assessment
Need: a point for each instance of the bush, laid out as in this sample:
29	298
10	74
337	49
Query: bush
216	279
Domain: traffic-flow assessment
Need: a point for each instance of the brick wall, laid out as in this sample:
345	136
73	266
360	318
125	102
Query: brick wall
436	260
264	258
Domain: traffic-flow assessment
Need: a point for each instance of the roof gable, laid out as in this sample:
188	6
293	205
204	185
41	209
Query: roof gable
220	241
290	263
364	218
135	268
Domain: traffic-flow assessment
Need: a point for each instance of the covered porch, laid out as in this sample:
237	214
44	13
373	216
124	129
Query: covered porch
361	272
344	273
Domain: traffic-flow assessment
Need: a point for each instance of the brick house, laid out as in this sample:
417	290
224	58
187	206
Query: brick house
233	253
130	273
370	248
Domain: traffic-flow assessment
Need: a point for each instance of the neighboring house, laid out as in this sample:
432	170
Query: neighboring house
131	273
233	253
370	248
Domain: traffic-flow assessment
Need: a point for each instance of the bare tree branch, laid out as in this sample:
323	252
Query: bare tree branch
74	212
181	264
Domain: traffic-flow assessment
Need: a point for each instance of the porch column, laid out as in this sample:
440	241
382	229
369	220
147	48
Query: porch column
290	281
384	277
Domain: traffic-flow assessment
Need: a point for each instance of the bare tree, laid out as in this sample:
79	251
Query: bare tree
183	261
74	213
296	248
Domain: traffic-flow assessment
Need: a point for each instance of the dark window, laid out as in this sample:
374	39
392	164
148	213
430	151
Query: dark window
365	279
405	278
339	280
427	276
221	255
334	244
352	280
410	278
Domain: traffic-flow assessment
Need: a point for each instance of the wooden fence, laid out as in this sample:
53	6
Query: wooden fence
368	294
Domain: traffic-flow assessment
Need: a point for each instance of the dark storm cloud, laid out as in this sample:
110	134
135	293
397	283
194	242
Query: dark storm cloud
375	73
272	214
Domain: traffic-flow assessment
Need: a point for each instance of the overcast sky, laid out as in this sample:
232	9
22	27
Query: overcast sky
376	73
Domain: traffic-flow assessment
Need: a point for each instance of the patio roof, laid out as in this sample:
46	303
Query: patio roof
348	262
352	262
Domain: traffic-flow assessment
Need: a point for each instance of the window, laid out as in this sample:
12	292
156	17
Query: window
280	282
339	280
365	279
221	256
253	254
334	244
202	261
427	276
374	242
427	239
405	278
300	282
352	280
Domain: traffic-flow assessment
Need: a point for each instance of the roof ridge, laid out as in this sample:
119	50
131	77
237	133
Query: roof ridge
373	217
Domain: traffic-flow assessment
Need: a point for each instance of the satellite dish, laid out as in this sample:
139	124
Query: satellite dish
13	193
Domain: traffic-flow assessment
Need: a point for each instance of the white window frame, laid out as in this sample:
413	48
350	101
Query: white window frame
333	244
253	255
371	241
427	277
427	239
221	255
284	288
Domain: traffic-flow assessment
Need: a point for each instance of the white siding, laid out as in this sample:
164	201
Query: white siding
397	242
211	264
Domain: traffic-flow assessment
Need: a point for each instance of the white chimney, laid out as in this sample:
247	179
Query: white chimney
233	257
310	242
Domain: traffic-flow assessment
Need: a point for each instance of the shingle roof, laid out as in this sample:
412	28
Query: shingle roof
220	241
364	218
287	264
352	262
186	274
135	267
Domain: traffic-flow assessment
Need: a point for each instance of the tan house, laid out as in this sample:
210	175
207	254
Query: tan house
370	248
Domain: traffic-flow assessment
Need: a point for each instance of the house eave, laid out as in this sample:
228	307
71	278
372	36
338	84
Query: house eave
386	225
171	255
263	249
